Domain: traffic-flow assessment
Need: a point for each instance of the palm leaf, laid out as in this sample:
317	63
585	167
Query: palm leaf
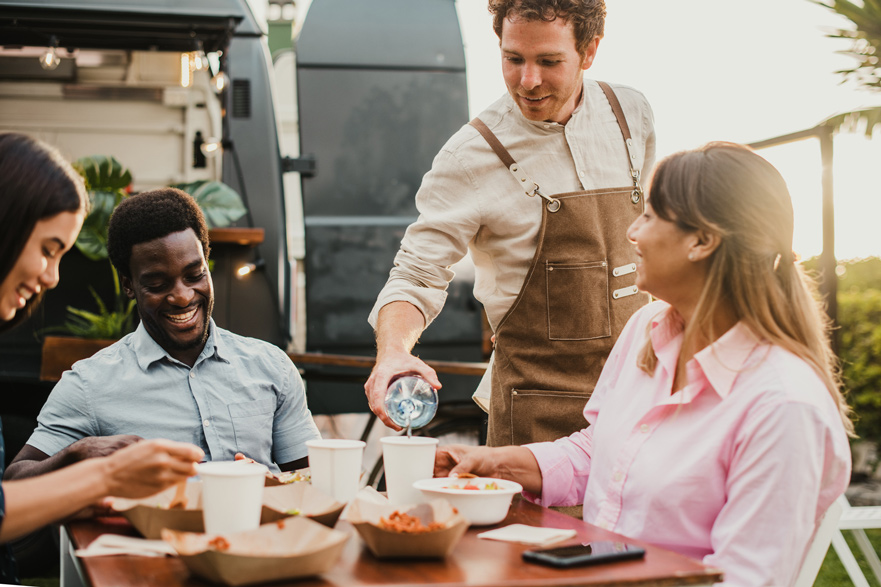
103	172
221	204
853	121
865	37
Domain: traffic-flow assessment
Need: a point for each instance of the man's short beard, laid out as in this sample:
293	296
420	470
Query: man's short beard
170	344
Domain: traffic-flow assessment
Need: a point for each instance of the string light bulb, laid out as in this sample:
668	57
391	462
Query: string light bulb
249	268
211	147
50	60
186	72
200	60
219	82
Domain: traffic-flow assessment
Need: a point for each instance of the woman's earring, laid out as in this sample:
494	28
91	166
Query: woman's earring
691	256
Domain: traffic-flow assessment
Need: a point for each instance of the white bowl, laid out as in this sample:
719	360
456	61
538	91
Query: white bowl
479	506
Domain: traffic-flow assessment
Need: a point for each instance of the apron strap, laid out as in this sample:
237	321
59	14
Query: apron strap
628	141
493	141
530	187
616	108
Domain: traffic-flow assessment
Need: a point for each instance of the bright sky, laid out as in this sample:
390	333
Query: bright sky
740	71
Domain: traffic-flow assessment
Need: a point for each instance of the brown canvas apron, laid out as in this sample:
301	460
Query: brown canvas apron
579	292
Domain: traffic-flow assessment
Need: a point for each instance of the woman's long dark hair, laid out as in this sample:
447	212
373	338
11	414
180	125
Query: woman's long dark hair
36	183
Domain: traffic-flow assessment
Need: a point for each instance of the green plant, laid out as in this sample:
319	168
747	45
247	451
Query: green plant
859	317
108	181
859	340
865	47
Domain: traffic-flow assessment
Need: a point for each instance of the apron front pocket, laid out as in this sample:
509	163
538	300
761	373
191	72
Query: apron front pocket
540	415
578	300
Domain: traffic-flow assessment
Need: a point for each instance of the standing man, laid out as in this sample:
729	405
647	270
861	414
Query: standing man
540	188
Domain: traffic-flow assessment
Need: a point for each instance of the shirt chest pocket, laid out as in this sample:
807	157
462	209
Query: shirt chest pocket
252	425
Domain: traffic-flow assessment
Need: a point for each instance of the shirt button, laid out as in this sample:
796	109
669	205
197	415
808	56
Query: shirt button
618	476
192	374
644	428
547	126
580	174
206	423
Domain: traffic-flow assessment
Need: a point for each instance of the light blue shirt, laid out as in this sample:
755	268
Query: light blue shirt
242	395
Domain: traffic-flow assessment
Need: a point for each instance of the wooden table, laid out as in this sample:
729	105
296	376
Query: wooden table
473	563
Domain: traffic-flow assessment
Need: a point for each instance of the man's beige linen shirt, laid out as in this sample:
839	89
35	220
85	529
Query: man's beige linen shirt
470	201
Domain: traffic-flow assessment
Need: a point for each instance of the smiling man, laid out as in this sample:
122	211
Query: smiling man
178	376
539	189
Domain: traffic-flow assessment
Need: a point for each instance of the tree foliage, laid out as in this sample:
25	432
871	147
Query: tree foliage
859	317
865	48
865	39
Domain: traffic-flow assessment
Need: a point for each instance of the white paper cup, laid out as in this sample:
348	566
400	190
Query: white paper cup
232	496
406	461
335	466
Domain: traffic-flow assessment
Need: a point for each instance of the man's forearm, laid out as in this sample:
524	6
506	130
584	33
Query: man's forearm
30	464
398	327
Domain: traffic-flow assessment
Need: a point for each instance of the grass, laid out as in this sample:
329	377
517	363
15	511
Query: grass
832	573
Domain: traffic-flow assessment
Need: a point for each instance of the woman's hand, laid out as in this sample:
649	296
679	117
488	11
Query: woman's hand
514	463
455	459
147	467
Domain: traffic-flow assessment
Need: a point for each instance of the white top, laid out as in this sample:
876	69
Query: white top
470	201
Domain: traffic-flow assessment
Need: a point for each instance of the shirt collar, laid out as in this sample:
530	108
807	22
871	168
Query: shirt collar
147	351
723	360
720	362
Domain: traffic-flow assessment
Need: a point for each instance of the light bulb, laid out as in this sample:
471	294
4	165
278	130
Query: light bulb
211	147
200	61
219	82
186	74
249	268
50	59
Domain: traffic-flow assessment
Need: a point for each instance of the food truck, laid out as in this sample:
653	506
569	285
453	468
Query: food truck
326	147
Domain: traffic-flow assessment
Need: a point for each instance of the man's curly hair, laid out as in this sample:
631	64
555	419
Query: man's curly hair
148	216
587	16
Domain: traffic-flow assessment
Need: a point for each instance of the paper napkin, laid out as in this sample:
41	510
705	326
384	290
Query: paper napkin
528	534
112	544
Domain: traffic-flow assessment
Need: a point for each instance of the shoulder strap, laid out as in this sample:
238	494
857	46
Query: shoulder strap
529	187
628	141
616	108
493	141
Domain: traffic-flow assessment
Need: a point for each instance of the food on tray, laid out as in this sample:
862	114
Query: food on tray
218	543
488	486
293	476
293	512
405	523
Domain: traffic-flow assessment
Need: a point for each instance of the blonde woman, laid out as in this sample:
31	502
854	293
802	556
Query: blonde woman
717	428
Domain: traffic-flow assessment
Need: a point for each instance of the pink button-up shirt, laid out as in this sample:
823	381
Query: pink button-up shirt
736	468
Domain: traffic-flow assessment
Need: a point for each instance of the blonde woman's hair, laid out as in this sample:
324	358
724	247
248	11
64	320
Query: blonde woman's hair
729	190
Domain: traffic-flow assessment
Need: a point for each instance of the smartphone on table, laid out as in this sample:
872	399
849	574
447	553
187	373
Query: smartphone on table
591	553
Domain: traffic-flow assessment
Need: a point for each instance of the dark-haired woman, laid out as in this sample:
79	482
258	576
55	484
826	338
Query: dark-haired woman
42	206
717	428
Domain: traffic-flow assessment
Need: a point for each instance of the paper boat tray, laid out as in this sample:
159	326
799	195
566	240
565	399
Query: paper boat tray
150	515
295	547
383	543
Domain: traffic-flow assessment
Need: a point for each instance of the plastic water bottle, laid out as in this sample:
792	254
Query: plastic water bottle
410	402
